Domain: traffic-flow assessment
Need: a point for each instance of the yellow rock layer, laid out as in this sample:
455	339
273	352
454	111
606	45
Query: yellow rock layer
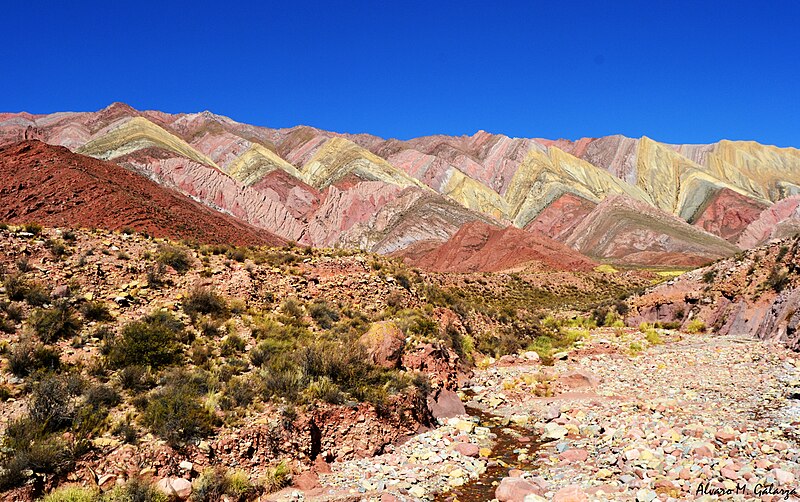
257	162
474	195
136	134
339	157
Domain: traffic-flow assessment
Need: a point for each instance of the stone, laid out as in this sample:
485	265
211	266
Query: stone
574	455
417	491
446	404
554	431
384	342
175	487
186	465
531	356
514	490
552	412
782	477
468	449
579	379
571	493
306	481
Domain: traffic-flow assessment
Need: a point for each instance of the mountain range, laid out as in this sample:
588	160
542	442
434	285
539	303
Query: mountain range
444	200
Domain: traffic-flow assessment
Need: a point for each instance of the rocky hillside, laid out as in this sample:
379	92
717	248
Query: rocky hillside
126	357
52	186
327	189
755	293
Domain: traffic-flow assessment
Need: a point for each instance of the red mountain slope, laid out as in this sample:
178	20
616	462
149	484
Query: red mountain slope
55	187
479	247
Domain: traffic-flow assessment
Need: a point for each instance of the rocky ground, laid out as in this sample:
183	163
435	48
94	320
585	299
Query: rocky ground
697	416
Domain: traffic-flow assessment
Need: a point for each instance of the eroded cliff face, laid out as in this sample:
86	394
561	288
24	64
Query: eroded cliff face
754	294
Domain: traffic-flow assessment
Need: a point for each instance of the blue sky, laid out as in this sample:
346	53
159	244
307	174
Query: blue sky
689	72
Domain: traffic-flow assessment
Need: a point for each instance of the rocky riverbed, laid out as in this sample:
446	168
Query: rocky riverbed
696	416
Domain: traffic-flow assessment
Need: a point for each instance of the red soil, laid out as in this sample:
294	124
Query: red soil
479	247
55	187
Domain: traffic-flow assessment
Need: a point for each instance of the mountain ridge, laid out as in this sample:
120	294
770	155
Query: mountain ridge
484	177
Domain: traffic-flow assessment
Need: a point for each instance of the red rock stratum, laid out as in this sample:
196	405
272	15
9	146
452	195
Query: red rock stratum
55	187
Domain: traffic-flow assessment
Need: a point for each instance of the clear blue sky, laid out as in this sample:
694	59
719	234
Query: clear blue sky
691	72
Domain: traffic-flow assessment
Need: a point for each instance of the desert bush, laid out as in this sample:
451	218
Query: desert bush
323	314
27	451
36	295
205	301
177	257
14	312
175	412
778	279
57	247
652	337
96	311
709	275
73	494
56	323
200	352
696	326
217	483
232	345
324	389
101	395
69	235
155	275
135	378
52	403
33	228
240	391
135	490
16	286
28	356
152	341
277	477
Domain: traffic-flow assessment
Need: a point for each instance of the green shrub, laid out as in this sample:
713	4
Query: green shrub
56	323
72	494
27	356
696	326
709	275
217	482
152	341
96	311
33	228
176	414
277	477
232	345
52	403
36	295
56	247
323	314
205	301
778	279
177	257
240	391
324	389
135	378
26	448
135	490
652	337
16	286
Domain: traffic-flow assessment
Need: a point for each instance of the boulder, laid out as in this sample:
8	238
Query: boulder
384	343
578	379
515	490
175	487
306	481
572	493
468	449
445	404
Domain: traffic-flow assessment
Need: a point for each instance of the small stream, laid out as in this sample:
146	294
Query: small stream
504	457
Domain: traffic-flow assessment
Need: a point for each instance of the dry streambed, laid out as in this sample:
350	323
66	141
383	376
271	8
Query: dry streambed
697	417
